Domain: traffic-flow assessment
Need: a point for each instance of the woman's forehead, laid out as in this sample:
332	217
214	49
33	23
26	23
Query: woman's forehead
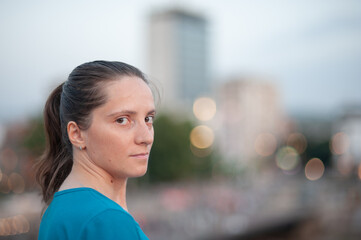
126	86
128	93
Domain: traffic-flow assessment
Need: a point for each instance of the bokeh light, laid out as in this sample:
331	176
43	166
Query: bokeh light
265	144
16	183
198	152
5	227
340	143
345	164
202	137
14	225
22	224
4	188
297	141
204	108
287	158
8	159
314	169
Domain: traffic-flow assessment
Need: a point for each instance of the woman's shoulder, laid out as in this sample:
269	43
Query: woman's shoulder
84	195
112	224
84	199
79	204
87	212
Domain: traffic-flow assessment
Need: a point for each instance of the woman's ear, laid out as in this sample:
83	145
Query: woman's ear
74	134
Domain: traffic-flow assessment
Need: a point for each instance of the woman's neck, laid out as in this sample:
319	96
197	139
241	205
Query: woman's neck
85	175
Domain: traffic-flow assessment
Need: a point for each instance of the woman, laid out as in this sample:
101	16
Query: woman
99	126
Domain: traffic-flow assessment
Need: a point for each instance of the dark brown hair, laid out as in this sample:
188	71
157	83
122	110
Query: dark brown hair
73	100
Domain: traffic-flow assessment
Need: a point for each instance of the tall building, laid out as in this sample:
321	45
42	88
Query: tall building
250	120
178	55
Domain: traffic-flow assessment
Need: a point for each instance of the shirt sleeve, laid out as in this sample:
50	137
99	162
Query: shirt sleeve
111	224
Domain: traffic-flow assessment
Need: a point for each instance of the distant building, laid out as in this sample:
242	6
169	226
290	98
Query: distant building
251	123
178	55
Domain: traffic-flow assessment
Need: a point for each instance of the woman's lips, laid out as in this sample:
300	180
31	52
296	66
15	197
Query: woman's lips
140	155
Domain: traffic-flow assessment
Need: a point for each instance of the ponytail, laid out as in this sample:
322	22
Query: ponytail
56	162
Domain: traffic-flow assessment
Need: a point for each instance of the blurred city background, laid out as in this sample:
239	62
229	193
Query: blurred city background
258	134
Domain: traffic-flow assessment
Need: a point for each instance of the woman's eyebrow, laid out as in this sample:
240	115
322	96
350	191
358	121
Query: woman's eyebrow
151	112
124	112
129	112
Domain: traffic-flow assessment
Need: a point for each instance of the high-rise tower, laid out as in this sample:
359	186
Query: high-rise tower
178	55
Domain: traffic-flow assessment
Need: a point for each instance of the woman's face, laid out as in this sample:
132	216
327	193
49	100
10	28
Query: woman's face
121	133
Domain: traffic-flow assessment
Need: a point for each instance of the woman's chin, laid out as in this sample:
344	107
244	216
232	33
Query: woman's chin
139	173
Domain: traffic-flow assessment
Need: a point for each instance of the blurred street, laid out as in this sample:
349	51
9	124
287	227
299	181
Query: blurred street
284	207
278	208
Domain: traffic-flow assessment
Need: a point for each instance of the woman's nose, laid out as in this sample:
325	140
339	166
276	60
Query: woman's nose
144	134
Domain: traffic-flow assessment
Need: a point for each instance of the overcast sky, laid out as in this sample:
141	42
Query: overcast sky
310	49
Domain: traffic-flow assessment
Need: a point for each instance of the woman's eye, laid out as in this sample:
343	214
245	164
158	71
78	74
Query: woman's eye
122	120
149	119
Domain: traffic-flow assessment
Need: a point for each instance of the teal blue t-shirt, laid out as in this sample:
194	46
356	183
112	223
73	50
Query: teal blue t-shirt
84	213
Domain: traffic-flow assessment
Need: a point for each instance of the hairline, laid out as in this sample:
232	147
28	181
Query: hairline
102	85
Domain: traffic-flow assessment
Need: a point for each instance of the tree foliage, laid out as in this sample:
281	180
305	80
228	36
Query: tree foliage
35	139
171	158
